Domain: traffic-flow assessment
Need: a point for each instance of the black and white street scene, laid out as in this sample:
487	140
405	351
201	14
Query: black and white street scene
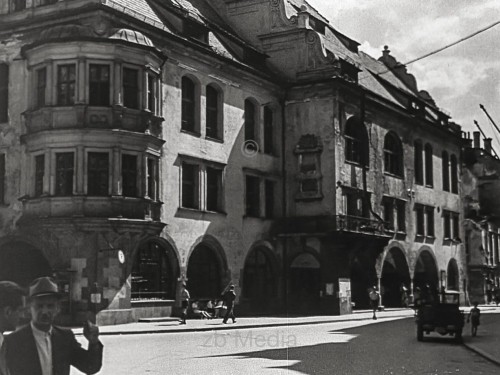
249	187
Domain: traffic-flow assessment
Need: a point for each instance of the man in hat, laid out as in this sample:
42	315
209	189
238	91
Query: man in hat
229	298
184	302
41	348
11	303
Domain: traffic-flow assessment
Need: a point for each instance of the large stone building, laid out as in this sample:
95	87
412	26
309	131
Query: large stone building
144	143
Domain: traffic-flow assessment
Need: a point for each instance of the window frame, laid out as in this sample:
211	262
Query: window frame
3	177
454	180
89	181
269	130
219	173
418	163
393	157
98	95
136	187
126	87
214	112
58	89
195	182
428	161
189	102
39	175
356	150
4	92
73	172
41	87
445	165
251	120
253	210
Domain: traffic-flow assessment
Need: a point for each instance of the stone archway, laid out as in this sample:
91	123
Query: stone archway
22	263
426	271
305	283
260	279
395	274
452	276
205	273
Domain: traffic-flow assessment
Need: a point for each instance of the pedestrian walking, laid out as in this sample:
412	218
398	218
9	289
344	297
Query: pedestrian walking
40	347
374	300
473	318
11	304
184	303
228	297
404	295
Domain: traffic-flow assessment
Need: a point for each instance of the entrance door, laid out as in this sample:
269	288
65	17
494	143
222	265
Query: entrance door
305	284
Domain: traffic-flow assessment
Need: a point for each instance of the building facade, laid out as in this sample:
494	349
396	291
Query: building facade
149	143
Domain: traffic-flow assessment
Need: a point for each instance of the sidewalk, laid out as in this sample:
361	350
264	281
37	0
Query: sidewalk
487	341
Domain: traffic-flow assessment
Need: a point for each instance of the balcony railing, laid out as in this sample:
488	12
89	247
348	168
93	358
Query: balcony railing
87	206
85	116
358	224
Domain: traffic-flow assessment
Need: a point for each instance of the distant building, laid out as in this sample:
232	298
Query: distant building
148	143
481	184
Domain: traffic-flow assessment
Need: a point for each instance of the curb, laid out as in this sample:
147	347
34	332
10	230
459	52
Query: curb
482	353
224	327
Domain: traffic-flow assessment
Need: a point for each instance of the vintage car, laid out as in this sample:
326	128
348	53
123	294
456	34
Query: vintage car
442	316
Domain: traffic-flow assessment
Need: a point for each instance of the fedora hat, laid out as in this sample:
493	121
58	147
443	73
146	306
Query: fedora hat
43	286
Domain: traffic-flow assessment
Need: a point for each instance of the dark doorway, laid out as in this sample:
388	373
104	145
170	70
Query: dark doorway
204	273
426	272
305	284
395	275
259	280
452	282
22	263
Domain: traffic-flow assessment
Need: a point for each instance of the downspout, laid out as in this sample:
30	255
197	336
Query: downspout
284	201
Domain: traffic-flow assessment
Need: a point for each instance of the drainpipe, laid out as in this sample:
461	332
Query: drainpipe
284	200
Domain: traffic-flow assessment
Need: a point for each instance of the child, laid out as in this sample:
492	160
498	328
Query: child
474	315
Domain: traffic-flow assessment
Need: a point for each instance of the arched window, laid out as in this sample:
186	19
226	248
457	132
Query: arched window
454	174
356	142
250	121
213	113
153	274
418	163
428	166
188	104
393	155
446	171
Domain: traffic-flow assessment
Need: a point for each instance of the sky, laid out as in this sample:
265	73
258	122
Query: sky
459	78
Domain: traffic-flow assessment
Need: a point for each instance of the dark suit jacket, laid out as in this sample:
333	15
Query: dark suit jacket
22	354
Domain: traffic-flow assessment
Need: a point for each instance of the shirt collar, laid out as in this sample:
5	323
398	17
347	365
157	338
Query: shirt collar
39	332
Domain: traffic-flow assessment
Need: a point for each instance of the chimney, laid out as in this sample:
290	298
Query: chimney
487	145
477	140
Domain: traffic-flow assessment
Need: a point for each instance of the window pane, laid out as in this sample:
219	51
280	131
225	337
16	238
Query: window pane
188	104
190	173
41	83
129	175
39	174
99	88
446	171
2	178
268	131
4	92
454	174
252	196
64	173
401	211
212	112
152	179
131	88
428	166
152	93
269	186
214	183
98	174
249	121
66	84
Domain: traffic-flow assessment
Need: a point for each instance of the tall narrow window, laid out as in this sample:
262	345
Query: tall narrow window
39	174
129	175
428	166
418	163
41	85
393	155
99	85
212	112
446	171
4	92
401	215
447	224
268	131
152	179
190	180
454	174
131	88
152	93
2	178
214	189
269	191
64	173
66	79
356	142
98	174
388	206
456	225
250	125
188	104
420	219
429	213
252	196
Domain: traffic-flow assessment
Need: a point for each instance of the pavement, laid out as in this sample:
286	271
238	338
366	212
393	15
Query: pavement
486	343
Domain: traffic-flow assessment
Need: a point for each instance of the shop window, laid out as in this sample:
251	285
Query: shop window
151	273
131	88
152	178
65	169
188	105
428	166
454	174
66	81
269	196
214	189
41	86
129	175
250	121
4	92
393	155
418	163
268	130
2	178
99	87
98	173
190	186
445	171
212	112
252	196
356	142
39	174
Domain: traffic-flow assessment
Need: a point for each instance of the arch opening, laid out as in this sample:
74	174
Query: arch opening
305	283
395	276
205	273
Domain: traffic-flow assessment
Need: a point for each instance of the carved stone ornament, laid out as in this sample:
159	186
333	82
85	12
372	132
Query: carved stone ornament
100	27
278	15
317	56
